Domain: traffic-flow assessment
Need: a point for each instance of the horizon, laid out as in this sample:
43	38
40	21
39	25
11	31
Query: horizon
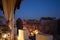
35	9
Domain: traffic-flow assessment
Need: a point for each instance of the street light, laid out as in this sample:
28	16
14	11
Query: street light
4	36
36	32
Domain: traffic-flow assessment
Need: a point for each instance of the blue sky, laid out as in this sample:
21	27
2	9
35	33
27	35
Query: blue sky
35	9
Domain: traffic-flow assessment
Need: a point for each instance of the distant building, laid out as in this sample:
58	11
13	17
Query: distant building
48	25
45	25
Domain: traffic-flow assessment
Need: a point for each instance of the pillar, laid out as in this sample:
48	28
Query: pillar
8	7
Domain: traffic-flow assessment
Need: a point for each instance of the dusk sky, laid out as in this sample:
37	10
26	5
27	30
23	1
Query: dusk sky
35	9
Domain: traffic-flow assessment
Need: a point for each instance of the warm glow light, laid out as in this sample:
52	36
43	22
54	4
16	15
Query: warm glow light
32	34
21	35
5	35
36	32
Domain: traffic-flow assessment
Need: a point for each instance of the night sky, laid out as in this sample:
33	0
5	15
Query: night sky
35	9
